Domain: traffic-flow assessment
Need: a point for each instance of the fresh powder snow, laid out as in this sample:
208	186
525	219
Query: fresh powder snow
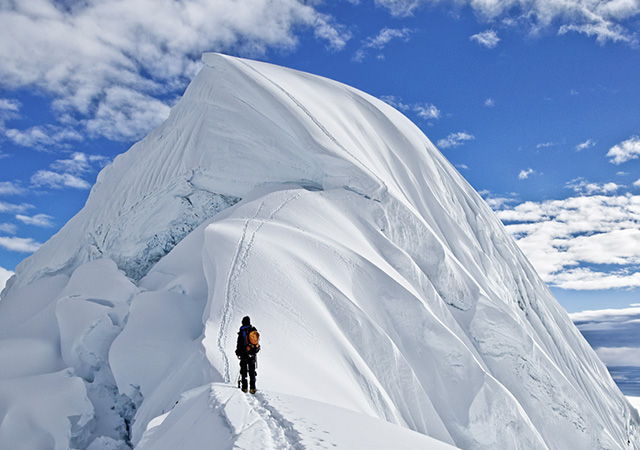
394	309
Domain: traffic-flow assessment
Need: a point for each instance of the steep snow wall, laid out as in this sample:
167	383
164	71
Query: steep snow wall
379	279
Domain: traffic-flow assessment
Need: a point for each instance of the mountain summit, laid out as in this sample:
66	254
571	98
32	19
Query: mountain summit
393	306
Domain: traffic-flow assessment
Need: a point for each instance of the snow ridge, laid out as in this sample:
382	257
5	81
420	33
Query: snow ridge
390	299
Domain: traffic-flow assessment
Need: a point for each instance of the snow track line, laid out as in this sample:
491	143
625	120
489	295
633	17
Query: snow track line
283	434
318	124
235	272
228	307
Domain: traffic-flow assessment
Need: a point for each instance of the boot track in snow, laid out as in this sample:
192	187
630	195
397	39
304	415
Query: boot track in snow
239	263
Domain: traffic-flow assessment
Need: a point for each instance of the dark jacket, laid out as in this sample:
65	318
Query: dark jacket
244	349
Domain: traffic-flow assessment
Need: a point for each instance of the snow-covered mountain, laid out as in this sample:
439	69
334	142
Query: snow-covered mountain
392	304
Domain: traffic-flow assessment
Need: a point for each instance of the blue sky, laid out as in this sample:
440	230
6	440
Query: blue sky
536	103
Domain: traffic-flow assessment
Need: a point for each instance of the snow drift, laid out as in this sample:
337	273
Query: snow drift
381	283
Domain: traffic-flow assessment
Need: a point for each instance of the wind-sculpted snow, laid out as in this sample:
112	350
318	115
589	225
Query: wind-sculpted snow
228	418
380	282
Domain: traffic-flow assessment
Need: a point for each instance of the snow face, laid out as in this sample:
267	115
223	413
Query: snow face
381	283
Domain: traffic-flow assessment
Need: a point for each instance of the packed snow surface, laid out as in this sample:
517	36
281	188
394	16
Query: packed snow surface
394	308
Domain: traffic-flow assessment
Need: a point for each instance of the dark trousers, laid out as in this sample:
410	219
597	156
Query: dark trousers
248	367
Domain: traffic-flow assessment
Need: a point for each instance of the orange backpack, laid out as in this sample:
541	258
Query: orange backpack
254	338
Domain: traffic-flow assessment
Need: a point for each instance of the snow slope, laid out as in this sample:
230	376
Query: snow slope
225	416
380	281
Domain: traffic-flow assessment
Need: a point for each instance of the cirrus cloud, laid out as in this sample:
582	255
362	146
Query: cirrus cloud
380	41
43	137
55	180
6	207
11	188
8	228
606	21
21	245
68	173
39	220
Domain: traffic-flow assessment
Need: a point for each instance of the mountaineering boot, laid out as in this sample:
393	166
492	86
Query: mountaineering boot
252	391
244	389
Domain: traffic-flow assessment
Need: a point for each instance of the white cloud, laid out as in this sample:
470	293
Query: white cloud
125	114
43	137
625	151
584	187
13	208
9	109
488	38
619	356
380	41
582	279
8	228
586	242
9	105
401	7
396	102
39	220
69	172
525	173
47	178
427	111
603	30
613	333
79	52
4	277
489	102
10	188
604	20
497	203
79	163
611	315
636	183
455	139
585	145
21	245
546	144
386	35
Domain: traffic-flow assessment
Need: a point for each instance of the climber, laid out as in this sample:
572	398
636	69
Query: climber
246	350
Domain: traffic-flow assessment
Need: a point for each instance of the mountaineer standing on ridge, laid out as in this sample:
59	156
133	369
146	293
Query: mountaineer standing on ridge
246	351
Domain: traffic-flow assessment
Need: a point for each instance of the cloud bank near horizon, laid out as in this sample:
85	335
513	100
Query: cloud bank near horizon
585	242
613	333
